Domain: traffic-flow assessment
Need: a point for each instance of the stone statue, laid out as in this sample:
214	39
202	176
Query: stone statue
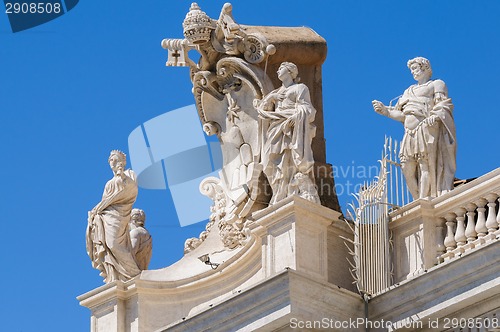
287	132
142	243
428	148
226	78
257	127
108	238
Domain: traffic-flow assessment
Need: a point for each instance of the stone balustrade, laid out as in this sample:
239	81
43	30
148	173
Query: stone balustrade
470	218
432	231
471	225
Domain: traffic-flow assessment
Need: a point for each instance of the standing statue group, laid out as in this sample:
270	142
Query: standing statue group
262	132
120	247
428	148
117	243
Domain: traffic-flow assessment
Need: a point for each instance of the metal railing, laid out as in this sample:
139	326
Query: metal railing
371	267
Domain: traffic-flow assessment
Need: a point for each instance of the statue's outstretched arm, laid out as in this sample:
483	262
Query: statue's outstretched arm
388	111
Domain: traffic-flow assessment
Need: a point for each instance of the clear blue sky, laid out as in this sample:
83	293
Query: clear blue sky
73	89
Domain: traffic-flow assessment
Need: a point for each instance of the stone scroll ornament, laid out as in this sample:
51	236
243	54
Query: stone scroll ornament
265	134
428	148
108	240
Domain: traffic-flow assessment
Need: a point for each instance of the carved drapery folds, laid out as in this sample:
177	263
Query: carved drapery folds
117	243
428	149
229	77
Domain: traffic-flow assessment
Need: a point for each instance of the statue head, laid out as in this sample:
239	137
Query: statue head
292	69
422	63
117	161
138	217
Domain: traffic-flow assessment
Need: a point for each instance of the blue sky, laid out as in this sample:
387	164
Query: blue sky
74	88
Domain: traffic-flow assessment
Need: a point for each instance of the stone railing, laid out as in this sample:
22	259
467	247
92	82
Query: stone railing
468	217
429	232
471	225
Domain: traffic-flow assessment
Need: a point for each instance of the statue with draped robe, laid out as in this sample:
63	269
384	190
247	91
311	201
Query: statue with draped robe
108	232
287	116
428	148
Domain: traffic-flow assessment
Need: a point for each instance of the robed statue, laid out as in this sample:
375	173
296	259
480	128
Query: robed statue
428	148
108	232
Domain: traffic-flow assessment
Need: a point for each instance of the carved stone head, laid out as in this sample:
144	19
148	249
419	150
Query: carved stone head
291	68
138	217
117	161
423	64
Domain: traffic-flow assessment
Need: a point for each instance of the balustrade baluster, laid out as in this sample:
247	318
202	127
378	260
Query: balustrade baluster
449	241
470	230
440	248
460	233
498	215
491	222
481	229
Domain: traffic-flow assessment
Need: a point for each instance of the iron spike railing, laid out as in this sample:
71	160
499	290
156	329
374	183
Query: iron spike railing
371	267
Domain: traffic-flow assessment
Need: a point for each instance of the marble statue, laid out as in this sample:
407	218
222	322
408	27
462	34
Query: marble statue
287	132
108	237
428	148
266	135
227	78
142	243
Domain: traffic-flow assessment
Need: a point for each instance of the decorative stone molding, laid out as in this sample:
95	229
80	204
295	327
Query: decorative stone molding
289	296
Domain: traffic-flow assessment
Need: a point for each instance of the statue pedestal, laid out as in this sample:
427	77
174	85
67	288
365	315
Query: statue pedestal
292	267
